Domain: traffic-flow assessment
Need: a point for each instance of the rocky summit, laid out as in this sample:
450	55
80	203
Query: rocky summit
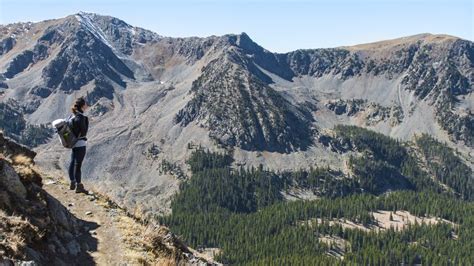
155	99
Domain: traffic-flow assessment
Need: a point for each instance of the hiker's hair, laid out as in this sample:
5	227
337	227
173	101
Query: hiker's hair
78	104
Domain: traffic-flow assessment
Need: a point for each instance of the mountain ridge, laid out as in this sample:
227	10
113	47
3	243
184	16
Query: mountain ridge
413	37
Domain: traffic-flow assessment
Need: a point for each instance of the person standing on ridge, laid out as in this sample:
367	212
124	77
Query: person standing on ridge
80	125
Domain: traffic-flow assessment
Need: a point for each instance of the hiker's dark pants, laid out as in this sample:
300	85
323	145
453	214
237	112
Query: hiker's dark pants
77	156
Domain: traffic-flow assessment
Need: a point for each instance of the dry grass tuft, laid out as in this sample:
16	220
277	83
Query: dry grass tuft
28	174
25	168
164	244
138	252
136	257
15	234
22	160
150	245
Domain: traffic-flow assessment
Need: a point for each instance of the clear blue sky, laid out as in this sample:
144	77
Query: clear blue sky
277	25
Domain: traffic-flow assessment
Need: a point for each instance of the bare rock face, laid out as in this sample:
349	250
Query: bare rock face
372	113
39	52
10	180
6	45
121	35
319	62
240	110
34	225
83	59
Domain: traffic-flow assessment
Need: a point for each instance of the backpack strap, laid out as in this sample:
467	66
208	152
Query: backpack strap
70	120
83	117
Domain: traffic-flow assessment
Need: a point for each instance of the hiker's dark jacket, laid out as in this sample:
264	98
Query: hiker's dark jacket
80	125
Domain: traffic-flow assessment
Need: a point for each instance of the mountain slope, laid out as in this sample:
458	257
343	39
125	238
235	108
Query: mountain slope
241	110
436	70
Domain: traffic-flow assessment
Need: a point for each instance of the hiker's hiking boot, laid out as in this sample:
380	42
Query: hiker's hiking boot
80	188
72	186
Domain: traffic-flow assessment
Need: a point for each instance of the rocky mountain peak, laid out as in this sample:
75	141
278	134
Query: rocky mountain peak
244	42
81	15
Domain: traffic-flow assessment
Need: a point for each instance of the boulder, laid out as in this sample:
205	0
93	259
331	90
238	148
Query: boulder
60	214
10	180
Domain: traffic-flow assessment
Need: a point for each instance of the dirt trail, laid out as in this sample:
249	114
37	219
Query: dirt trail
102	222
117	238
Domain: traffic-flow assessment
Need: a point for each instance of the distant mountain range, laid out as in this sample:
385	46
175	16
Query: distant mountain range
155	98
